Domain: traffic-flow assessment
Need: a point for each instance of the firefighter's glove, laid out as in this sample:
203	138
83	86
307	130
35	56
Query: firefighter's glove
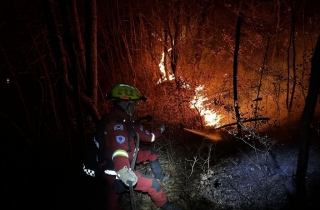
126	176
163	127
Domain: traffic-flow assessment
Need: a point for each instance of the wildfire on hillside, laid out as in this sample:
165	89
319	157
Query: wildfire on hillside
211	118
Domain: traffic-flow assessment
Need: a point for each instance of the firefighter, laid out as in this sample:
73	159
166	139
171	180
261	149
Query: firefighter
120	139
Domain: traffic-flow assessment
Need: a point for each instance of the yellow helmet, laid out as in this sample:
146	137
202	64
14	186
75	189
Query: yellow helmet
125	92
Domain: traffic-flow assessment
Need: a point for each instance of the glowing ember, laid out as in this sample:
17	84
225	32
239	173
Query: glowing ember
211	118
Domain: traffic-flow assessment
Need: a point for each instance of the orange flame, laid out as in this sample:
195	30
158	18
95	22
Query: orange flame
211	118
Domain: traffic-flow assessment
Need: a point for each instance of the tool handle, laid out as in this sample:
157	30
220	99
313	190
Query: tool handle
135	154
133	207
133	162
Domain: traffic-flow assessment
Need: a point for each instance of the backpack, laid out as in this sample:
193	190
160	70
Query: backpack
97	155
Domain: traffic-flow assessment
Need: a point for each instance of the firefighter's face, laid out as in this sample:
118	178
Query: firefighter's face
131	107
128	106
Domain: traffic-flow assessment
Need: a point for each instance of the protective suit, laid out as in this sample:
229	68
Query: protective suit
120	144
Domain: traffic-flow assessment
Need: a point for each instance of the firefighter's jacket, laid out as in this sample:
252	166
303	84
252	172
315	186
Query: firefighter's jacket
120	140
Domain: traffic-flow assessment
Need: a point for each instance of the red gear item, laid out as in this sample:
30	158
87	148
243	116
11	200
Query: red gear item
122	147
144	155
118	141
145	184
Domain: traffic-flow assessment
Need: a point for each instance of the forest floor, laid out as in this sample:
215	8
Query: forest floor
222	175
229	174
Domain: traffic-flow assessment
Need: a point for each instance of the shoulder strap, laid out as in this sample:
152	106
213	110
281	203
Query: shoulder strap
131	132
99	137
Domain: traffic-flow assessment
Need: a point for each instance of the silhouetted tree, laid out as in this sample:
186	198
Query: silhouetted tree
306	119
290	97
235	74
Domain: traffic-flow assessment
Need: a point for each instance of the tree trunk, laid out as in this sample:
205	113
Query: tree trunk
258	99
91	50
61	56
74	73
198	45
50	87
307	115
290	98
175	41
235	75
79	44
